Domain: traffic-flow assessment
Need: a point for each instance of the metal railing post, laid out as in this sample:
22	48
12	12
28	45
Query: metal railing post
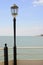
5	55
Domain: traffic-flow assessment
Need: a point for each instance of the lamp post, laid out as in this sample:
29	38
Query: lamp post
14	11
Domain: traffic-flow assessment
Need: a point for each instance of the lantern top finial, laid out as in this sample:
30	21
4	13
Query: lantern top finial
14	6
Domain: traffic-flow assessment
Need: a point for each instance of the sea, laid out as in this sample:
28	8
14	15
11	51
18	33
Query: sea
28	47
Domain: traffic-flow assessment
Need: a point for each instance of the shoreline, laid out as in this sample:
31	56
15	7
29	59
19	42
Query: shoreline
25	62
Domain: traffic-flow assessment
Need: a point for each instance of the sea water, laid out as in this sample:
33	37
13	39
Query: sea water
28	47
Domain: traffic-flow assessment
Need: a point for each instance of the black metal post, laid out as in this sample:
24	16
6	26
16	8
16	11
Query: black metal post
5	55
15	60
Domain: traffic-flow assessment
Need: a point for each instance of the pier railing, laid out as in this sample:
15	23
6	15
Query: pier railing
24	53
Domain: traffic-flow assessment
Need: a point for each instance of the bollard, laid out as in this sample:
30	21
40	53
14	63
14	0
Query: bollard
5	55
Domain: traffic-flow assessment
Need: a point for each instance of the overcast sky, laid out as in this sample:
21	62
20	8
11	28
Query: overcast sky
29	21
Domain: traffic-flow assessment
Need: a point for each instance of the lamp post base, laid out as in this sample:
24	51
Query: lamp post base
15	60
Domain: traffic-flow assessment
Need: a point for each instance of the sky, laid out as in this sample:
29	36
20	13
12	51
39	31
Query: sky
29	21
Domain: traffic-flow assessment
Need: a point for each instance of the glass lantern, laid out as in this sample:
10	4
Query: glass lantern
14	10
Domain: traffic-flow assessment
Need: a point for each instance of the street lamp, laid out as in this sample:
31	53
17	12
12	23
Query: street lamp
14	11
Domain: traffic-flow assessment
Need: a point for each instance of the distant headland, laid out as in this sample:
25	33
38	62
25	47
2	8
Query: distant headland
41	35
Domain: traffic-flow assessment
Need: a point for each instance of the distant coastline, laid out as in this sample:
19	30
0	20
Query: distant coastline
41	35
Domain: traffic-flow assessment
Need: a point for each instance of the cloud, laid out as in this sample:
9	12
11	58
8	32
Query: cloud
37	2
24	1
29	31
6	31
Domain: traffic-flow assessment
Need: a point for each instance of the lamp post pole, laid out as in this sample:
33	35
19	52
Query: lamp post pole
14	22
